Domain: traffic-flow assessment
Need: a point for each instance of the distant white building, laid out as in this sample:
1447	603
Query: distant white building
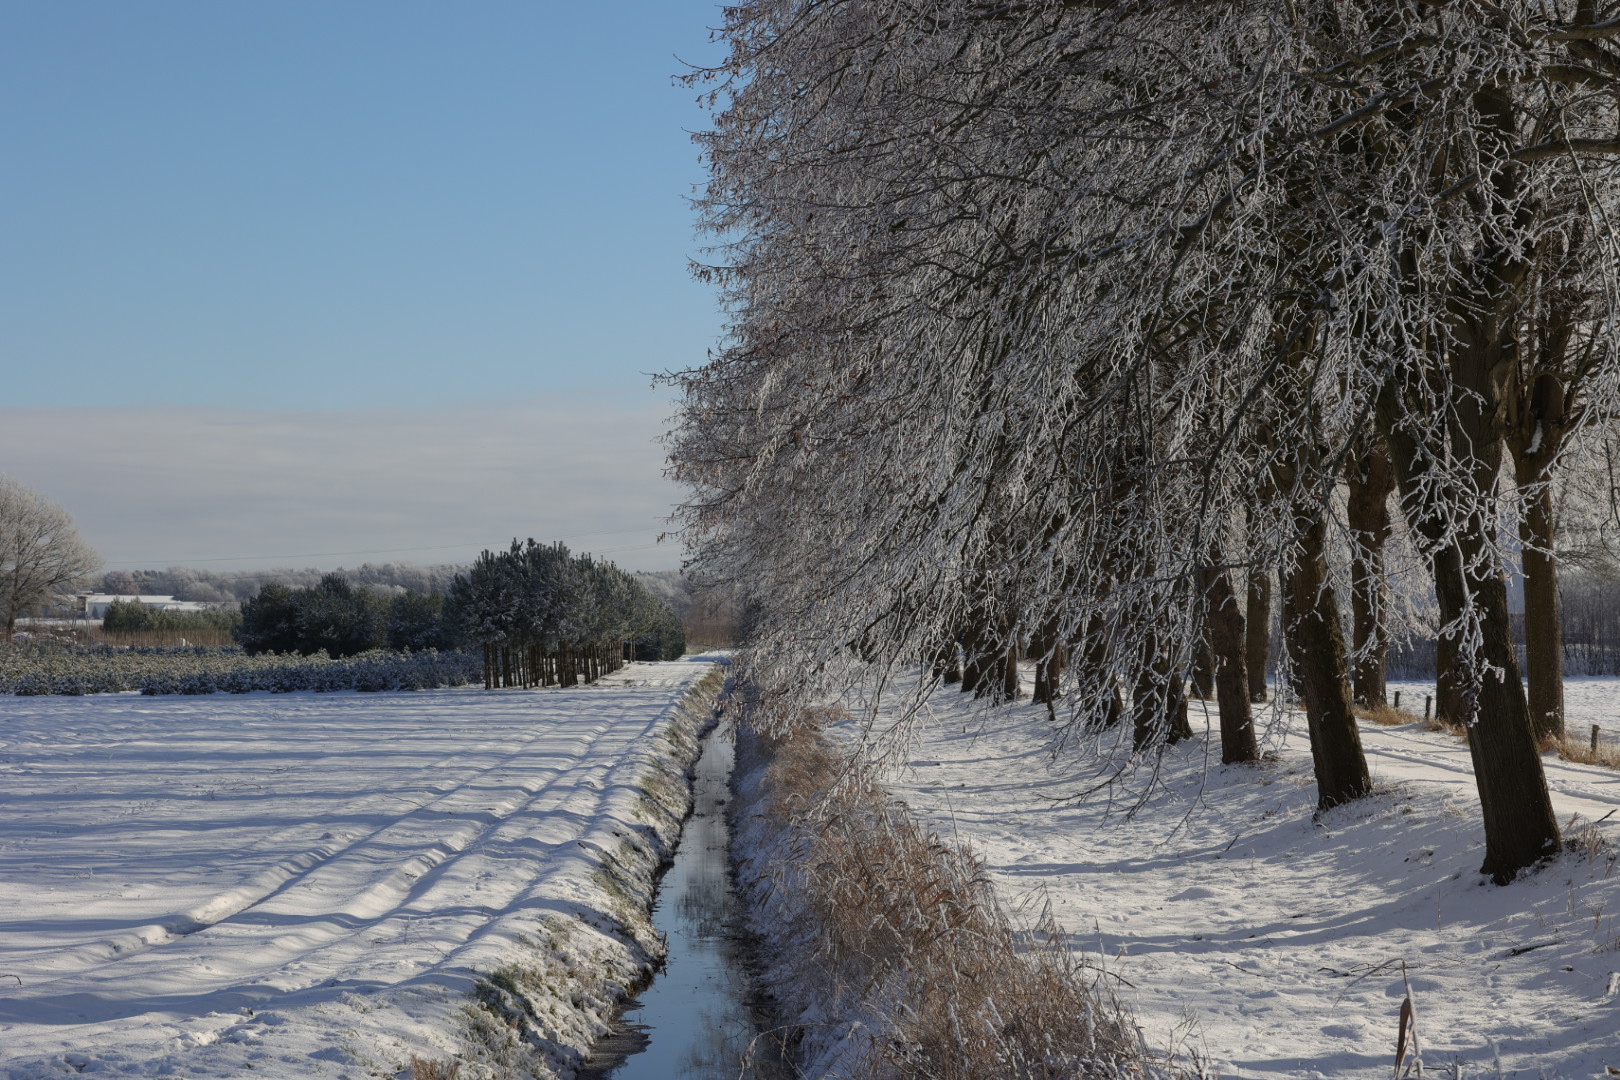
94	605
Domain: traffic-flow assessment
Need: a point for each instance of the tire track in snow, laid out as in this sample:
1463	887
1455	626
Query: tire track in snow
395	879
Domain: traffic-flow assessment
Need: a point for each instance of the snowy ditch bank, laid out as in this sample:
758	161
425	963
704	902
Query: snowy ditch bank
438	883
1239	928
884	950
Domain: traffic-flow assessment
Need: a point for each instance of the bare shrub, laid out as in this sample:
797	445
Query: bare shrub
910	925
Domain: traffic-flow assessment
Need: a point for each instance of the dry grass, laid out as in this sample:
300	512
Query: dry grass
93	634
1385	715
1580	750
909	924
424	1069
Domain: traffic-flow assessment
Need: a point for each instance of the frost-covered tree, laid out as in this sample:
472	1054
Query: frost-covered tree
544	616
40	551
1047	315
332	616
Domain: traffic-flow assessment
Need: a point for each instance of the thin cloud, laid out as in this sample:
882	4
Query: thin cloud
153	486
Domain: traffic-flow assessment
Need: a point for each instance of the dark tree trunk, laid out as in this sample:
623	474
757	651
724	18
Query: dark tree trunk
1543	423
1226	638
1316	651
982	669
1257	631
1448	704
1159	706
1011	685
1048	677
1180	728
1203	667
1048	655
1372	479
1094	675
1520	826
1543	629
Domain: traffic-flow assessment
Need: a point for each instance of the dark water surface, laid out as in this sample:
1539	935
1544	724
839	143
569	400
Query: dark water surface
695	1021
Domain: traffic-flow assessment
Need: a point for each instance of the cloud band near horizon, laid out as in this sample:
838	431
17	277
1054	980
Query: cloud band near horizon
152	487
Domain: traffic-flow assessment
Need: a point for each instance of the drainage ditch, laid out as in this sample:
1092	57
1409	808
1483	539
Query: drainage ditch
697	1019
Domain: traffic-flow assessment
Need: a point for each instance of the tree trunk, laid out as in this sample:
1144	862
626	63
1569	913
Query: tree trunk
1011	684
1048	653
1203	667
1226	638
1311	622
1543	628
1159	706
1093	670
1543	424
1520	826
980	663
1048	676
1257	631
1372	479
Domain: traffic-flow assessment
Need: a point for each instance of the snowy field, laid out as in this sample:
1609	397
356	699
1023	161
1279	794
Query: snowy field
299	884
1272	946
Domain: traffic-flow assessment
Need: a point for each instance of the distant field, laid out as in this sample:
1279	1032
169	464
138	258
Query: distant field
1588	700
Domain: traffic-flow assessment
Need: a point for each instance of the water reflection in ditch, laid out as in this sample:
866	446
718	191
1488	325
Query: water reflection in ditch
694	1022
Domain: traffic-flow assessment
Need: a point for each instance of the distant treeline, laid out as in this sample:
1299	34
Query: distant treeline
540	615
1589	615
224	586
395	605
339	618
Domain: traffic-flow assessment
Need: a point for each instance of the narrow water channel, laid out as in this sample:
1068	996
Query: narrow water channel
695	1021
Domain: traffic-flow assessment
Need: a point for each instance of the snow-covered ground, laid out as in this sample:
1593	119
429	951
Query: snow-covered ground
300	885
1237	927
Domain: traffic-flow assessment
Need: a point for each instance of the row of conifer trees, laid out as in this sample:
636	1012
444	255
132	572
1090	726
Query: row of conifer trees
546	617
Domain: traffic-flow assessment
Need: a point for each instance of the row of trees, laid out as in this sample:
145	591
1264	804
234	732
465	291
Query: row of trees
340	619
1065	329
540	615
545	617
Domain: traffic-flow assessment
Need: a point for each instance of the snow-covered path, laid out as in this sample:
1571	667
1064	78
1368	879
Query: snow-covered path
249	873
1237	927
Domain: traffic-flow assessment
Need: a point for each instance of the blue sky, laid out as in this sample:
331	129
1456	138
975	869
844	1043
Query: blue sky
300	209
